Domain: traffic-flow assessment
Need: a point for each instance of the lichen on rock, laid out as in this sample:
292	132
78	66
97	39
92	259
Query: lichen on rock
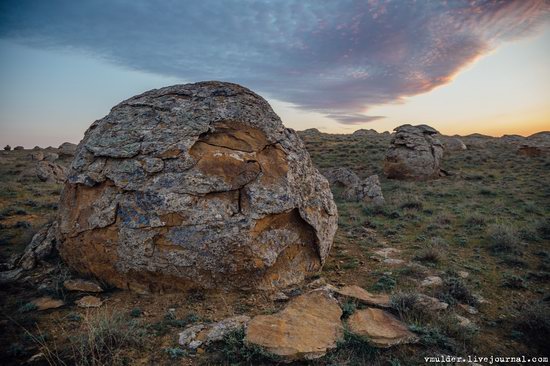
195	186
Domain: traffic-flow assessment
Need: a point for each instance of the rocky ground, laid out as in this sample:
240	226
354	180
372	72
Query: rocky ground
458	265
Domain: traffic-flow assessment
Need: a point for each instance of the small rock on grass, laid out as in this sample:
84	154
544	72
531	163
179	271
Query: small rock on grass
431	303
432	281
462	321
382	329
469	309
198	335
89	302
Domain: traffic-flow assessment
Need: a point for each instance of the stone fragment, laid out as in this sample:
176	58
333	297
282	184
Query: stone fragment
431	303
462	321
11	275
380	328
353	188
50	156
47	171
82	285
306	328
89	302
46	303
41	246
452	143
362	295
19	148
37	156
469	309
198	335
386	252
432	281
195	186
414	154
393	261
67	149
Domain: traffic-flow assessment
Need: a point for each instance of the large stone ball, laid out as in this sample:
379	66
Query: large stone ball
195	186
415	153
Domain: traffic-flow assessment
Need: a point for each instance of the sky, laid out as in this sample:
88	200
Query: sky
336	65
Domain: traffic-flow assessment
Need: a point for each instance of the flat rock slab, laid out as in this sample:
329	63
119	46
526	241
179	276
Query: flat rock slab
364	296
89	302
45	303
197	335
381	328
306	329
82	285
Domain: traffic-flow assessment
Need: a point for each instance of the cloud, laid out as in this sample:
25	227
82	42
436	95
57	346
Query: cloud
353	118
336	57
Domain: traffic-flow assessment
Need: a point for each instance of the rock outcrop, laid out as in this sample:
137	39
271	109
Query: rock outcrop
306	329
47	171
7	147
19	148
353	188
195	186
414	154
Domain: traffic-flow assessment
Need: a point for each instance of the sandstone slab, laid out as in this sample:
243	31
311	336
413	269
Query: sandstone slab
46	303
195	186
306	328
82	285
380	327
362	295
89	302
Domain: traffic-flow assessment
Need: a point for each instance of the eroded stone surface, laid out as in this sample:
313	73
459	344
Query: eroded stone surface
414	154
196	185
306	328
381	328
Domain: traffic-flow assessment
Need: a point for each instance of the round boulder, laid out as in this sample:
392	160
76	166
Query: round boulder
195	186
414	154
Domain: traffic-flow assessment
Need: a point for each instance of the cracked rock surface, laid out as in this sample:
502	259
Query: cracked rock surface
415	153
195	186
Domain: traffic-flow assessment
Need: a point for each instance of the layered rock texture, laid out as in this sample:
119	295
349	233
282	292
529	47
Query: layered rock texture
195	186
414	154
